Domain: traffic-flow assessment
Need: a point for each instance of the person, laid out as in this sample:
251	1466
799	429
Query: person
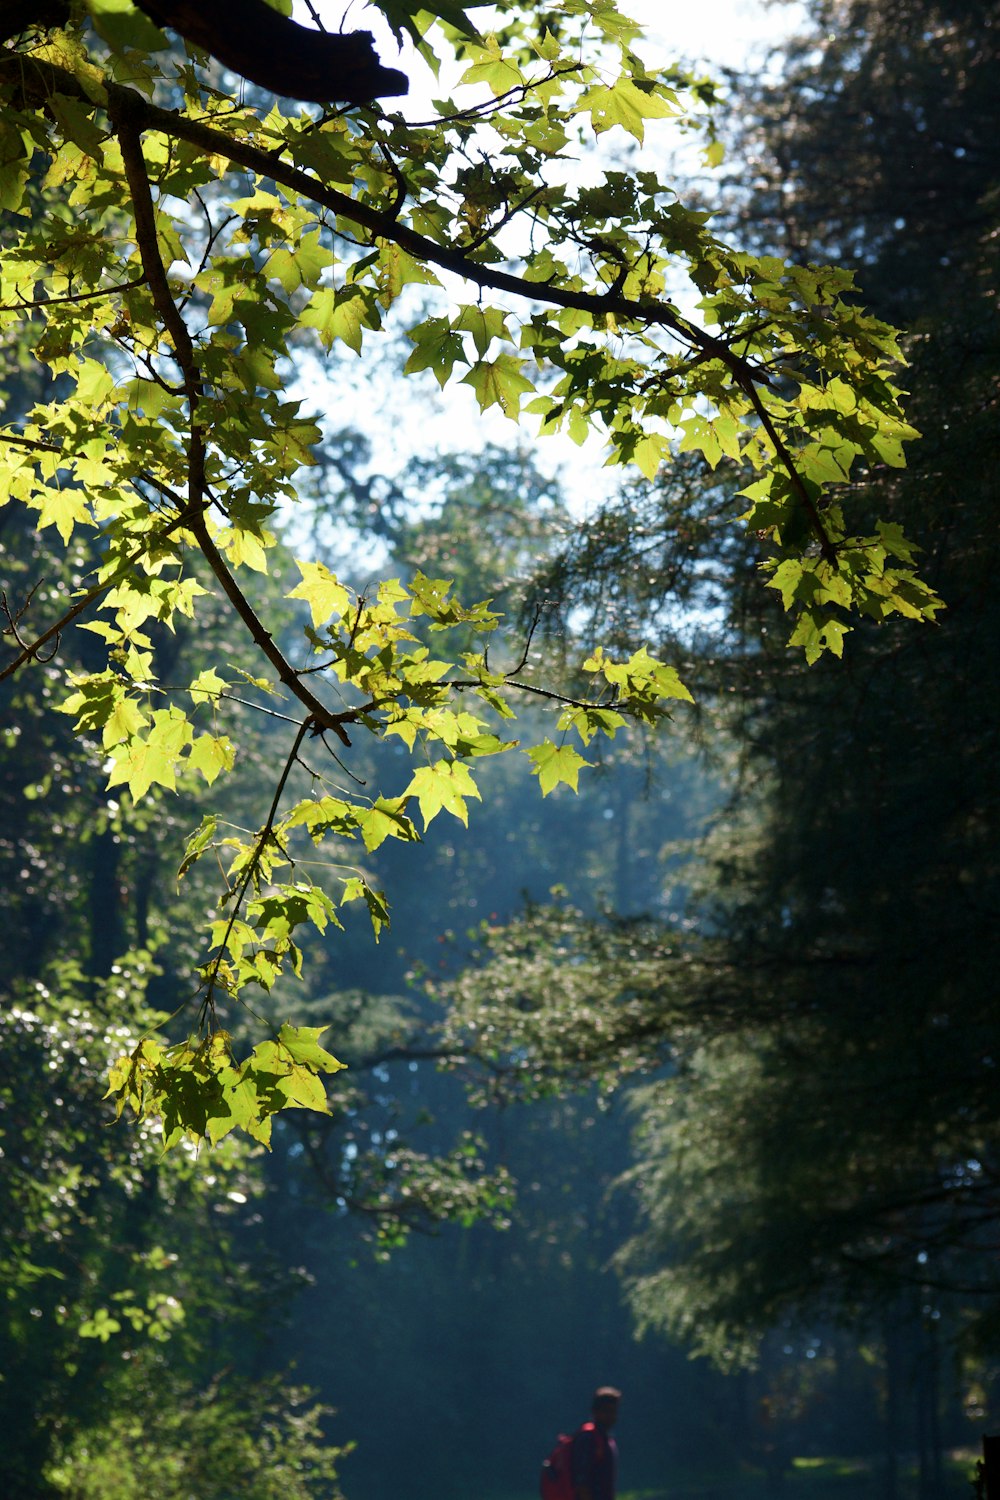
594	1453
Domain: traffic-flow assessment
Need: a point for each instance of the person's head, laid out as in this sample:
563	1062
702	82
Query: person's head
604	1407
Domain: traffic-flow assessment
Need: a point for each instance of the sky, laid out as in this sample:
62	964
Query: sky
727	33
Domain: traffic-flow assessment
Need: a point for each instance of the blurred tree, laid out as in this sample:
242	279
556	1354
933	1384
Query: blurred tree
122	1280
260	1440
827	1142
832	1140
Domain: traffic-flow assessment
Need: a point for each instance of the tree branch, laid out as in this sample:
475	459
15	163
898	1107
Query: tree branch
323	717
36	78
127	120
277	53
26	304
125	566
263	839
826	546
385	225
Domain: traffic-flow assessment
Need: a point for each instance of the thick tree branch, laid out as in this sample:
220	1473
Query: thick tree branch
382	224
37	79
385	225
127	121
278	54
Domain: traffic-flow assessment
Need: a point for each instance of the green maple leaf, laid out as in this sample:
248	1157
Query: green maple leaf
183	1104
648	453
627	105
484	323
125	720
385	820
211	755
356	889
397	269
238	1107
497	71
499	382
321	591
588	721
301	1089
817	633
786	579
342	315
444	785
141	763
302	1045
554	764
207	686
699	436
64	509
438	348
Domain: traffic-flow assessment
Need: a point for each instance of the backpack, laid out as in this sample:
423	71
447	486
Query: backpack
556	1481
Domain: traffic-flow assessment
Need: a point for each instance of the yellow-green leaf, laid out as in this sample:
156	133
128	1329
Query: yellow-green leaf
553	764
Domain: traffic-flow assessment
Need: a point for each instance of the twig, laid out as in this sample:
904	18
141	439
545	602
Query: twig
27	303
23	442
263	839
826	546
13	616
490	106
30	652
528	687
125	117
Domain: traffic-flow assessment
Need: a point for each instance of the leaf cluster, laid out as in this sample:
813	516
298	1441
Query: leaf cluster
173	246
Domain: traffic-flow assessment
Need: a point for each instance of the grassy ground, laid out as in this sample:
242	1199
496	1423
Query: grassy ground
810	1479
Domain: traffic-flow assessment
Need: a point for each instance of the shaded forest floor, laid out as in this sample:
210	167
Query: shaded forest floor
814	1479
808	1479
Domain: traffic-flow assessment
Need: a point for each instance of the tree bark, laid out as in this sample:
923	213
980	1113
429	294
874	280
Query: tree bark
278	54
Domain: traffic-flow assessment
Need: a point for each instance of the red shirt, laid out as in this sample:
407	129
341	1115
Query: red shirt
594	1461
